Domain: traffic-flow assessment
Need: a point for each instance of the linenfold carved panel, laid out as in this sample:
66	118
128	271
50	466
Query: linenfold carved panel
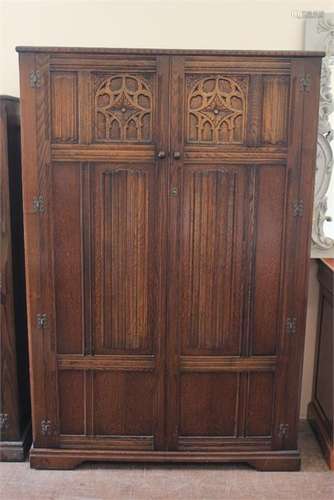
123	108
125	255
223	208
209	229
216	109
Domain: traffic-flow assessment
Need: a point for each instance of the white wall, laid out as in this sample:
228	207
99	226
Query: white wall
214	24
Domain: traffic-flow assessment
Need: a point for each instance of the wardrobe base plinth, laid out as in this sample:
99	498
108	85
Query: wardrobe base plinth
65	459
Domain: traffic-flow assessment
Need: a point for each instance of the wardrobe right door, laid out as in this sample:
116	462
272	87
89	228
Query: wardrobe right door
237	254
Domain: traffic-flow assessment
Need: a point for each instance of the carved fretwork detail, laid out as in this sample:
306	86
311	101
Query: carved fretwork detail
216	110
123	109
3	421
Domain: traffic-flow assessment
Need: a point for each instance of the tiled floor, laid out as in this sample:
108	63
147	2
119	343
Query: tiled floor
172	482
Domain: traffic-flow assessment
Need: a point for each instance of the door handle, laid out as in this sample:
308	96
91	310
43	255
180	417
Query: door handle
161	155
177	155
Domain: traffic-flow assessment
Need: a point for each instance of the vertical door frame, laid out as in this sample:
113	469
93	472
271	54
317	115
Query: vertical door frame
304	102
38	239
173	344
162	143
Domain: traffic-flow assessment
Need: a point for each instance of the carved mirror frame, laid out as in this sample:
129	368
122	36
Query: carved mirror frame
319	35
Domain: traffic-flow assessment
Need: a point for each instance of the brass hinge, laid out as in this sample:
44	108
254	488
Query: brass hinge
46	427
298	208
42	320
3	421
35	79
283	430
305	82
38	204
291	325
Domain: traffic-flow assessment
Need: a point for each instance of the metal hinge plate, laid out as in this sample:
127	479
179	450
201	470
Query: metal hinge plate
298	208
305	82
42	320
3	421
291	325
283	430
38	204
46	427
35	79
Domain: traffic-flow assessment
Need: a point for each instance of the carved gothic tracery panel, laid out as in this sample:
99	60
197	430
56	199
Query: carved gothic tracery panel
216	110
123	109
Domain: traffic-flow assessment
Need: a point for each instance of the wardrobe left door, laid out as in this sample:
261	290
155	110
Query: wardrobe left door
95	139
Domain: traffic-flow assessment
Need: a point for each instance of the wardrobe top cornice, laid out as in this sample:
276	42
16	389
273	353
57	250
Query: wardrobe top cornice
190	52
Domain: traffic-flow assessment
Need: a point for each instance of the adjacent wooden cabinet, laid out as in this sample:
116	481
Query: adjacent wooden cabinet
320	410
167	205
15	421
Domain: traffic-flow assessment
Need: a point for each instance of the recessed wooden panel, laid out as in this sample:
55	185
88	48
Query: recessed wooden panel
67	257
125	254
64	107
123	403
208	404
216	109
211	228
260	404
270	198
275	109
71	401
123	108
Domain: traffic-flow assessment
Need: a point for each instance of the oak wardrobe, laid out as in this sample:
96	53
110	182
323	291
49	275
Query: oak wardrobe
167	208
320	409
15	420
